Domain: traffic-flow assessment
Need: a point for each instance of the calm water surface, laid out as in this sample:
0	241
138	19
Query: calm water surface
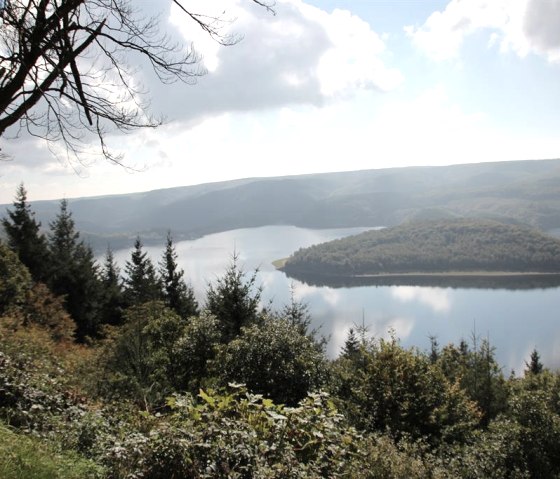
515	321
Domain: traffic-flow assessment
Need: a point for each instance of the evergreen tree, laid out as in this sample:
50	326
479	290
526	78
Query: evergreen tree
176	293
297	313
534	366
75	274
24	236
113	303
234	300
434	348
141	283
351	345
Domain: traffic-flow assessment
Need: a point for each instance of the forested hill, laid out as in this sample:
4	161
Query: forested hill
517	192
463	245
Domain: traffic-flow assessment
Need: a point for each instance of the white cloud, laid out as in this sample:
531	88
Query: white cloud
301	55
541	27
522	26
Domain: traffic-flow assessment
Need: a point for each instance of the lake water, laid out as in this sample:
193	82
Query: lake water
515	321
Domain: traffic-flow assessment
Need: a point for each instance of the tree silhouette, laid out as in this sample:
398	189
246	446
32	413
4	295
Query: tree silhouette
25	237
65	66
176	293
141	282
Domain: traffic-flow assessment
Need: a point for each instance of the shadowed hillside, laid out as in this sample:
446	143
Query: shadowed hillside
526	192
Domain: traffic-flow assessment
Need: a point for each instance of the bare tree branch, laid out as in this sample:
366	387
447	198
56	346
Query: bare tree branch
63	74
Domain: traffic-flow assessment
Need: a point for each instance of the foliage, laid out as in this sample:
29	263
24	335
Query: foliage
46	309
141	283
113	303
273	358
74	274
478	373
140	359
433	246
176	293
24	457
25	238
15	280
234	300
193	353
236	434
384	387
298	314
534	366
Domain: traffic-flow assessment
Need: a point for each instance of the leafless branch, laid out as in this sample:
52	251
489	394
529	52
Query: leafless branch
64	74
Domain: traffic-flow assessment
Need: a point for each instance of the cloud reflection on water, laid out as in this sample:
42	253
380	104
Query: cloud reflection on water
439	300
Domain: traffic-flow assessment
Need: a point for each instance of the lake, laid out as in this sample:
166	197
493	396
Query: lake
515	320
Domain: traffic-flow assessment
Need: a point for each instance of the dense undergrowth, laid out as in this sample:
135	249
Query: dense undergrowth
380	411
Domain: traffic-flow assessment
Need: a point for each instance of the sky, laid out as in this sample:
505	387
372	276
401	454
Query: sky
331	85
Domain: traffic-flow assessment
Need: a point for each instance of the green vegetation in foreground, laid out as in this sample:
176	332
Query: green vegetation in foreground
463	246
25	457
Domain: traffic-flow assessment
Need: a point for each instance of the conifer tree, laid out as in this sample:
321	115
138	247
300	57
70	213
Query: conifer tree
297	313
75	274
351	345
234	300
25	238
141	283
176	293
113	303
534	366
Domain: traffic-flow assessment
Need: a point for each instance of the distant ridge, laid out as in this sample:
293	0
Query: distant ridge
523	192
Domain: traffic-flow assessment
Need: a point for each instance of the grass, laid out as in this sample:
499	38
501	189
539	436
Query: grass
25	457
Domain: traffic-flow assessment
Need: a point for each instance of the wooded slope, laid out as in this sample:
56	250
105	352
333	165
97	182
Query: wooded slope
463	245
525	192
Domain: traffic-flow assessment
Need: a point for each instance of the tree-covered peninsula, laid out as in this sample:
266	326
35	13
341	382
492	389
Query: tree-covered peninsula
433	247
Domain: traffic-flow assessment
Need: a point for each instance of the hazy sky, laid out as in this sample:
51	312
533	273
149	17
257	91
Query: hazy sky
332	86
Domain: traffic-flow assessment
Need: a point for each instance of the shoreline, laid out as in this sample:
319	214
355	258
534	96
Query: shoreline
453	274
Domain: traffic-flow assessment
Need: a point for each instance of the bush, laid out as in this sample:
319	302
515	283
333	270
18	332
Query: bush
275	359
384	387
139	361
15	280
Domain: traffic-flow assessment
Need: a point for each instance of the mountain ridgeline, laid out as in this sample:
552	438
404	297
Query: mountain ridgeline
519	192
438	246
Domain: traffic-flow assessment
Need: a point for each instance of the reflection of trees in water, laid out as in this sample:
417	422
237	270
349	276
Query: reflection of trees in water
512	282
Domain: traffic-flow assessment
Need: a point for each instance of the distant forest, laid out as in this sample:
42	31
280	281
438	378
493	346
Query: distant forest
464	245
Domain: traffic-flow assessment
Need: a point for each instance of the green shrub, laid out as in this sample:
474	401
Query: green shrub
275	359
385	388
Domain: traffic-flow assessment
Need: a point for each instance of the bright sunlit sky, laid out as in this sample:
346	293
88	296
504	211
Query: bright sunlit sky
333	86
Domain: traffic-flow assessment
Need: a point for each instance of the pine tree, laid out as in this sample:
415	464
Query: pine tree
25	238
75	274
297	313
534	366
351	345
113	303
141	282
176	293
234	300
